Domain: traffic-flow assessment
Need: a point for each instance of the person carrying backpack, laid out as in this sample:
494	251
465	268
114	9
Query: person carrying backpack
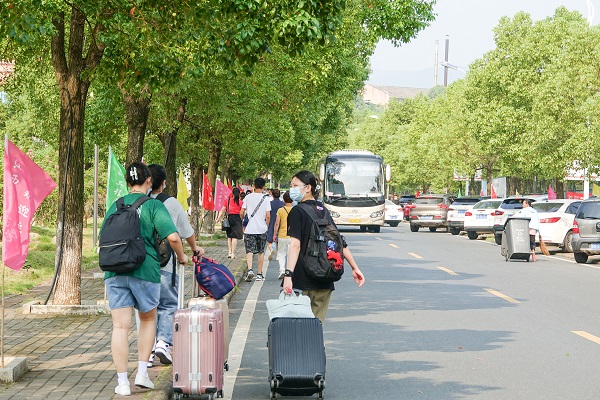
301	227
140	287
167	304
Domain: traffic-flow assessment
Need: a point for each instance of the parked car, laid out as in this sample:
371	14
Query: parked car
556	221
430	210
586	230
508	208
456	213
393	213
480	218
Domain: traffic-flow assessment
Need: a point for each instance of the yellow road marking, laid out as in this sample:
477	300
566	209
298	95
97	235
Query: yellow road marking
393	245
378	238
448	271
502	296
588	336
415	255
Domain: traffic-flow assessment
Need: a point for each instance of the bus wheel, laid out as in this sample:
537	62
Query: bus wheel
376	228
363	228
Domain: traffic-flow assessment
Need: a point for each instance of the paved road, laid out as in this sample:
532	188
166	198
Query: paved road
440	317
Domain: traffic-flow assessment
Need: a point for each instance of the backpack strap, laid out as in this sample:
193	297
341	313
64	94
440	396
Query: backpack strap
162	197
312	213
136	203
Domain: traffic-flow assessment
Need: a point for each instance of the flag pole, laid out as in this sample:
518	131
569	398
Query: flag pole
3	270
2	328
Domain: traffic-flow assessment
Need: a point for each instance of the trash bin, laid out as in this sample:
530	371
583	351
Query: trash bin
515	239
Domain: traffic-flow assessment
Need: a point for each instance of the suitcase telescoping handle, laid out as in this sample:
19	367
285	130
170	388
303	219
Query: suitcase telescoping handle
181	287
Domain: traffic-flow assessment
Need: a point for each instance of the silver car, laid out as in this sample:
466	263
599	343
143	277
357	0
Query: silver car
586	230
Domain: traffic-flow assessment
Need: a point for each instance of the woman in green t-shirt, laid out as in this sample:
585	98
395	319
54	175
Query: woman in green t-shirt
139	289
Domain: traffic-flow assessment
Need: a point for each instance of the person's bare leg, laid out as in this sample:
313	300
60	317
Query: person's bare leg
119	344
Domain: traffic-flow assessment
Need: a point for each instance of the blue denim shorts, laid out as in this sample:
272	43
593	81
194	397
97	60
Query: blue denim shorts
126	291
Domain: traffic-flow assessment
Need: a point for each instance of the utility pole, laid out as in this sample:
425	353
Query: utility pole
446	61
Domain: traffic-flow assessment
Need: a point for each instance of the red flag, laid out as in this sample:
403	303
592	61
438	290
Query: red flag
26	185
494	196
229	184
551	193
207	198
418	193
222	193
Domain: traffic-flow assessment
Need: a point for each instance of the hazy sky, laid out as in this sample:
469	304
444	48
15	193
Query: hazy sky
469	24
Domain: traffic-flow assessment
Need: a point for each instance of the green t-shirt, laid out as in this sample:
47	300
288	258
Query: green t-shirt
153	217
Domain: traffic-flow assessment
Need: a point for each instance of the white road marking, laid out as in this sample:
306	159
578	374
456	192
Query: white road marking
240	336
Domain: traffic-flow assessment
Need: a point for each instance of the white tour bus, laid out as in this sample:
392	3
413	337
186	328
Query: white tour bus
353	188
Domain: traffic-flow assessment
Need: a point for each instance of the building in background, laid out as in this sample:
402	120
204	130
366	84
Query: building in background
381	95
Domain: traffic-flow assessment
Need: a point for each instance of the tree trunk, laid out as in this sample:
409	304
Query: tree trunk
70	66
214	155
137	109
560	189
169	141
196	174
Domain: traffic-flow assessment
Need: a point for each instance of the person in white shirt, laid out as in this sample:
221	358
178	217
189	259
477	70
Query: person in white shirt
534	224
257	207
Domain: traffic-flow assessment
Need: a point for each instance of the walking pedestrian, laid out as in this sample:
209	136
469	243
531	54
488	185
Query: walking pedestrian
256	207
232	210
534	224
281	236
276	204
139	289
304	189
167	304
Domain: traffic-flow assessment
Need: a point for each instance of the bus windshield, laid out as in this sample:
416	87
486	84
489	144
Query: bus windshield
354	179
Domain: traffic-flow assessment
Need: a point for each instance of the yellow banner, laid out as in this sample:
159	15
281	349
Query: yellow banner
182	191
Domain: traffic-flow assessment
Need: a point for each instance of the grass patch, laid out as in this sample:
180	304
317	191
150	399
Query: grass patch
39	266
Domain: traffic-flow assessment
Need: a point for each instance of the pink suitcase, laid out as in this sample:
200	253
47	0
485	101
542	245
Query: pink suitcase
198	351
211	302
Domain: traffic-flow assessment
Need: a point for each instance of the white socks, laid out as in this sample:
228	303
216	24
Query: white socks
142	368
122	378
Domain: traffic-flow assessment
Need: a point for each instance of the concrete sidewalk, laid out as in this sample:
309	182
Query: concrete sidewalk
69	355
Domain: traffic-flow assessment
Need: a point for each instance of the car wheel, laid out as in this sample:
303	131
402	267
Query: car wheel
376	229
414	228
472	235
454	231
394	224
580	258
432	228
498	239
567	243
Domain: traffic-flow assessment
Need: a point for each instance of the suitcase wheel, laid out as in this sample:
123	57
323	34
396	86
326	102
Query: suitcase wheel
220	394
320	395
178	396
273	395
226	366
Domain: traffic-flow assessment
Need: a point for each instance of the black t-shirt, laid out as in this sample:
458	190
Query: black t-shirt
299	226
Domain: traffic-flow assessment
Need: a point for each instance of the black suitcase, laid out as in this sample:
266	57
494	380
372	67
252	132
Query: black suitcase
296	357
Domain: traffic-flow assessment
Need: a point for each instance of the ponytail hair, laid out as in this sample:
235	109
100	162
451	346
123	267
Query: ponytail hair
236	195
159	175
136	174
308	178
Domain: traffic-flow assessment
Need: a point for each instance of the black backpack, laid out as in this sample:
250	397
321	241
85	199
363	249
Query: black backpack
324	259
121	247
162	246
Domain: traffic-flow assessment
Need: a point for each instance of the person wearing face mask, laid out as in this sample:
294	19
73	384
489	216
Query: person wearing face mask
168	291
139	289
304	189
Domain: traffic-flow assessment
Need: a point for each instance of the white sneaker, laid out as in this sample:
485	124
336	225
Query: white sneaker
163	352
123	389
151	361
143	381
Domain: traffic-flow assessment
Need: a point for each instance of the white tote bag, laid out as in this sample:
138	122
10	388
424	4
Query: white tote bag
290	305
